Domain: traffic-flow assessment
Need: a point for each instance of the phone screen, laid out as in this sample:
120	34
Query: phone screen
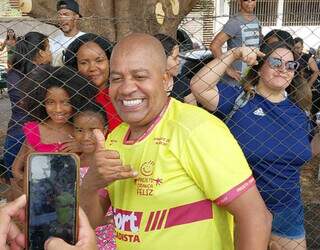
52	198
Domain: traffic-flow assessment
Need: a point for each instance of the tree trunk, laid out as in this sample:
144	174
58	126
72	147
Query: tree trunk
116	18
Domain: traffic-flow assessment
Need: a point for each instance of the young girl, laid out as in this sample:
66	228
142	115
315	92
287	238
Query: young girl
89	118
54	94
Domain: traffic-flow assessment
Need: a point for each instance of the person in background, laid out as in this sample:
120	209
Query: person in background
243	29
9	43
12	238
271	128
310	71
170	168
55	94
68	18
308	65
89	55
31	51
179	85
277	35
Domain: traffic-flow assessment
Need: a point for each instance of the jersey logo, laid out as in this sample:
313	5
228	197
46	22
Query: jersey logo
161	141
259	112
146	182
129	223
146	168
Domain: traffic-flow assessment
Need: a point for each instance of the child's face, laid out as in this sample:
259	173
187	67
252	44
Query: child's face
84	125
57	105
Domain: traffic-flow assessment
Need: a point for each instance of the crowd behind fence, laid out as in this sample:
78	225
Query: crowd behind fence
84	88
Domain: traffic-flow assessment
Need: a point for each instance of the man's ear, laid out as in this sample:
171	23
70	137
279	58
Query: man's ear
165	80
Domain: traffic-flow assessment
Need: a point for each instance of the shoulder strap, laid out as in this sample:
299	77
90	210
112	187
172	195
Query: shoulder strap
240	102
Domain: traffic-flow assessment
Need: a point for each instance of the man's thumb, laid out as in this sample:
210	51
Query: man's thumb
99	139
56	244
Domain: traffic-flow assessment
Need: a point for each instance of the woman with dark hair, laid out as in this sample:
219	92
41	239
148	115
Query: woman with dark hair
298	90
89	55
270	126
10	42
31	50
277	35
179	85
308	65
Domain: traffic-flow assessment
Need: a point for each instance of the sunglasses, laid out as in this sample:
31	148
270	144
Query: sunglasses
248	0
277	63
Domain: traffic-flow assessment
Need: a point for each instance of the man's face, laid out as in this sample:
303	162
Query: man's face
137	86
247	6
67	20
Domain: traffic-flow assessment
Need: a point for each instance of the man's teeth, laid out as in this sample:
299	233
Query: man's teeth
132	102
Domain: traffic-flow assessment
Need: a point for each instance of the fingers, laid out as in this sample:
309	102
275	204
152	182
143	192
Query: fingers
13	208
87	237
71	146
99	139
84	224
57	244
8	230
259	53
15	237
249	55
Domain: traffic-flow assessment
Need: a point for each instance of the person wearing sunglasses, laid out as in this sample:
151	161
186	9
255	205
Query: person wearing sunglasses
242	29
271	128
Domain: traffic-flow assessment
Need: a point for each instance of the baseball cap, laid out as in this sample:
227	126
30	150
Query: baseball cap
69	5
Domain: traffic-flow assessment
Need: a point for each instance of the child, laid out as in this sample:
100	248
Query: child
54	94
89	118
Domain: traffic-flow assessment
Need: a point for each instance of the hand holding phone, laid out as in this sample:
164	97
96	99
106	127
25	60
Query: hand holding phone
10	235
108	166
87	237
12	238
52	190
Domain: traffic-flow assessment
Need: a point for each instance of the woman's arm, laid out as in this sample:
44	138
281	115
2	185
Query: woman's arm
3	45
19	163
203	84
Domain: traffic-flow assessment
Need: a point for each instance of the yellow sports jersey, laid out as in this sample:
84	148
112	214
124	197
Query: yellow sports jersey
189	166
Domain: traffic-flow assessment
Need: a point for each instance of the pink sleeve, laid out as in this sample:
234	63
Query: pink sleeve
235	192
31	132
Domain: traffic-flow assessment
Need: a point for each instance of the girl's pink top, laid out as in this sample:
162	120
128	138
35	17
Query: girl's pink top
32	133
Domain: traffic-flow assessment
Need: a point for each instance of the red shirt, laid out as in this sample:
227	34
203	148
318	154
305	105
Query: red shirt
103	99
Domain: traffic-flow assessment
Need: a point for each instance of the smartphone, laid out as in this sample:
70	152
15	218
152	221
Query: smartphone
52	194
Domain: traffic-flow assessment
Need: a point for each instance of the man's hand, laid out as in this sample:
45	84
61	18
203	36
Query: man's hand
108	166
86	241
10	235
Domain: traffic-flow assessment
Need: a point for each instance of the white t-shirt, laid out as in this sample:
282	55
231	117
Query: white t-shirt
58	44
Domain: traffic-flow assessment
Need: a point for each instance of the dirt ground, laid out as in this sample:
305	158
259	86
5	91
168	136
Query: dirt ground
309	180
311	197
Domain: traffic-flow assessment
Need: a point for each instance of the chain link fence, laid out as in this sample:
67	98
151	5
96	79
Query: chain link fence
21	89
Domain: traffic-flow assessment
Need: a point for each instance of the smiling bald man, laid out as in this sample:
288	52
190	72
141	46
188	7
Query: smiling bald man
174	173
